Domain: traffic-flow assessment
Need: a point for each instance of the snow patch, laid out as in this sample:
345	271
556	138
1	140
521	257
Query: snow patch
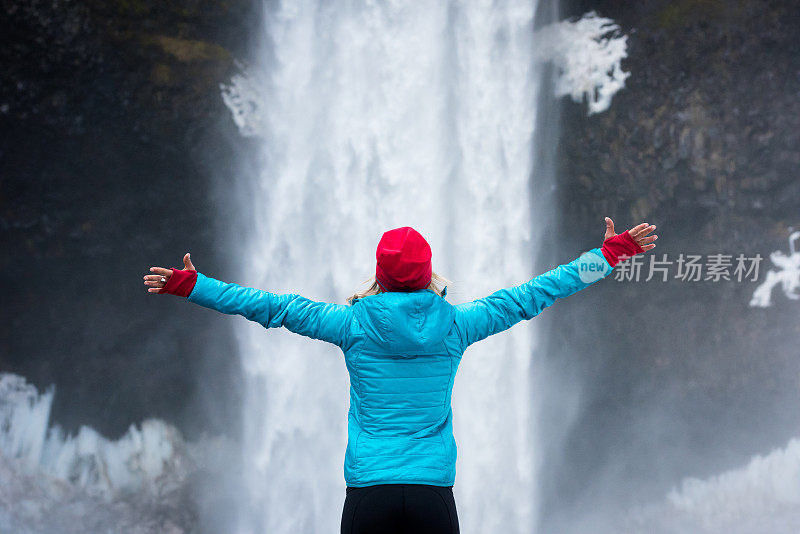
52	482
588	53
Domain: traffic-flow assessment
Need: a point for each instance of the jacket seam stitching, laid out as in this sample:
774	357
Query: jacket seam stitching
461	337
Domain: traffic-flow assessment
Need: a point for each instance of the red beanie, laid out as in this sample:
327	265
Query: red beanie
404	260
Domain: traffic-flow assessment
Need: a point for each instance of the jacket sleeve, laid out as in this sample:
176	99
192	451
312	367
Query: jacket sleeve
317	320
504	308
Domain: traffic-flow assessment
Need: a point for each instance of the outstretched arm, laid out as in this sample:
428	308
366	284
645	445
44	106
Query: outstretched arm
502	309
317	320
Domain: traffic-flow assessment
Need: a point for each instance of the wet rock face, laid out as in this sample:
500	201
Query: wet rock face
703	142
69	62
114	144
709	118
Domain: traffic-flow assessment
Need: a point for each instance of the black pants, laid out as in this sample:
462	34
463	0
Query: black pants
400	509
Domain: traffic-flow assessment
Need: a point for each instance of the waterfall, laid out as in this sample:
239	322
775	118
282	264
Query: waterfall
371	116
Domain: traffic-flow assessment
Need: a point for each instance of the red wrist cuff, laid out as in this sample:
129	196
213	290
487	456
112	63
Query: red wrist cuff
180	283
620	247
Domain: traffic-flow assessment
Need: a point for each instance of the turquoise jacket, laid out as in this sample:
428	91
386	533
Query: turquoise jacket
402	350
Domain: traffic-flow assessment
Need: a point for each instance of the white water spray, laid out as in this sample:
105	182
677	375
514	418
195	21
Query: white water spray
761	496
375	116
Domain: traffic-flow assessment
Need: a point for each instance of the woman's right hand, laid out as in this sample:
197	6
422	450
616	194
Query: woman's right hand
618	247
638	233
161	276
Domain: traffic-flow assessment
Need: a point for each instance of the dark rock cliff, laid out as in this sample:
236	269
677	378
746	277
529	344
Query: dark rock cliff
115	148
682	378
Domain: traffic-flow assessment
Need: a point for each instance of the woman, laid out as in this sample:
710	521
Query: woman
402	343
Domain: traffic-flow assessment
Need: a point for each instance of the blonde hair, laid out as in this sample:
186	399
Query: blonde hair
437	284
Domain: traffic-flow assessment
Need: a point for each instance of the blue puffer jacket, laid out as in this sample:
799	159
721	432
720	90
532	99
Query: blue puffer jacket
402	351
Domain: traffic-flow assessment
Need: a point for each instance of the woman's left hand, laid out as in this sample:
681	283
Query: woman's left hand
157	281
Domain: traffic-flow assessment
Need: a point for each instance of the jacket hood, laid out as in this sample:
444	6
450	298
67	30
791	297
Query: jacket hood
410	321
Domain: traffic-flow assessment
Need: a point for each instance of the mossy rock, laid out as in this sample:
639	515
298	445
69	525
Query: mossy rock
187	50
686	12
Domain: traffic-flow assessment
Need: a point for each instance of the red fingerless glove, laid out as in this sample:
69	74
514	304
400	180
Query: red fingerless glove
180	283
620	246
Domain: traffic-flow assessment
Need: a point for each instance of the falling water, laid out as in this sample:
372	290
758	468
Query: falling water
376	115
